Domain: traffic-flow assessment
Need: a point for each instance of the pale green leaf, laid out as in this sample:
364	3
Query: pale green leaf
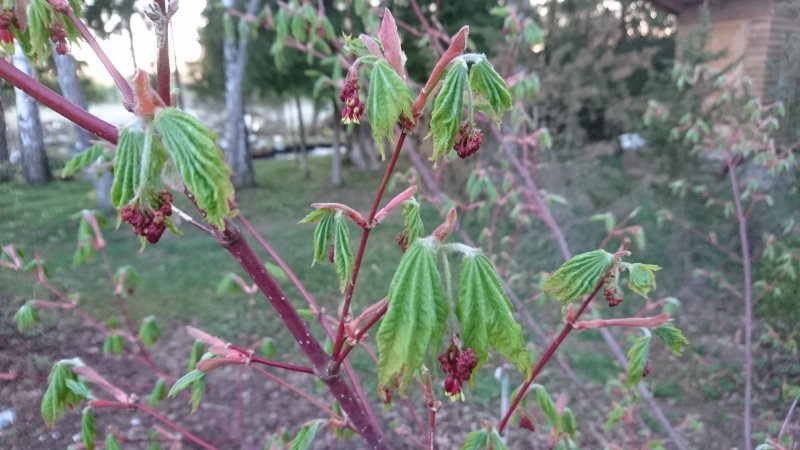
476	440
305	436
198	389
127	167
185	381
672	337
26	316
268	347
79	389
641	278
58	397
448	110
416	297
113	344
387	100
149	331
343	259
158	394
484	80
194	150
87	429
82	160
111	442
546	405
412	222
323	234
568	423
637	360
578	276
486	316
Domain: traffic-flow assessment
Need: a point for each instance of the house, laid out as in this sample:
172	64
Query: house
757	31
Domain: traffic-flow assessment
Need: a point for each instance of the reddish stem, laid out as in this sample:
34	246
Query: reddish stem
337	347
99	404
432	428
546	357
280	365
361	334
57	103
162	65
119	80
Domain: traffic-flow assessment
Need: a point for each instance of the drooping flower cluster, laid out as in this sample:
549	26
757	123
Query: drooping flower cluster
647	368
611	294
146	222
468	140
7	19
353	108
402	240
458	365
58	34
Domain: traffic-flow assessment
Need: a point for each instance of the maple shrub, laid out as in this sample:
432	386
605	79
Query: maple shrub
446	311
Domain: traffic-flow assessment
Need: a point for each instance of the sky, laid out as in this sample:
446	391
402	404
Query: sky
185	22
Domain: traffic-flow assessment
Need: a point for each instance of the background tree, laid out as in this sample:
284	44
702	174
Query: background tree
107	17
35	167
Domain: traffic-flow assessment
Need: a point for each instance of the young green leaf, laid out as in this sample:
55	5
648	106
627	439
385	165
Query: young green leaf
82	160
476	440
58	397
113	344
127	167
26	316
416	299
641	278
484	80
228	285
578	276
305	436
194	150
343	258
448	109
568	423
152	437
546	405
637	360
412	222
40	21
485	313
198	389
387	100
672	337
149	331
158	394
323	234
111	442
198	348
268	347
87	429
79	389
185	381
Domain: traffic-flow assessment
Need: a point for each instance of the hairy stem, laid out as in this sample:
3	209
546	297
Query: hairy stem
744	241
162	65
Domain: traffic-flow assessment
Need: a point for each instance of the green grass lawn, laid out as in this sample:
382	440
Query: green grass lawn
179	275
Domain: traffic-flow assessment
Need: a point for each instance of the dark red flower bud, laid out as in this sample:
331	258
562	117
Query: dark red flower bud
468	140
647	368
402	240
353	108
331	253
612	296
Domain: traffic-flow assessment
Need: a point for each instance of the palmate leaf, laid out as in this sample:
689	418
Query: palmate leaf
414	316
26	316
448	109
672	337
546	405
387	100
323	233
484	80
641	278
58	396
149	331
412	222
485	313
82	160
343	259
305	436
194	150
484	440
637	360
578	276
127	167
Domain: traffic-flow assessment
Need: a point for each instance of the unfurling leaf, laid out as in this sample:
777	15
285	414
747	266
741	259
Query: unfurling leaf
323	233
484	440
149	331
158	394
343	259
113	344
448	109
79	389
637	360
672	337
194	150
268	347
578	276
568	423
58	396
185	381
417	312
127	167
485	313
198	389
87	429
388	99
82	160
26	316
484	80
412	222
111	442
641	278
305	436
546	405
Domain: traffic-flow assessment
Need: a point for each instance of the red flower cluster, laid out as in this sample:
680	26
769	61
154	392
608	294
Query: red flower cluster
468	140
353	108
647	368
149	223
402	240
611	294
58	34
7	19
458	365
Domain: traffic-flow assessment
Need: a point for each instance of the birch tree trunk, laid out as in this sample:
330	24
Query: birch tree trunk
336	169
5	168
237	153
67	71
301	131
35	167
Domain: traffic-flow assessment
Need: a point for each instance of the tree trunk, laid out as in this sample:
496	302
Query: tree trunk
129	29
301	131
35	167
67	71
5	169
336	170
237	153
